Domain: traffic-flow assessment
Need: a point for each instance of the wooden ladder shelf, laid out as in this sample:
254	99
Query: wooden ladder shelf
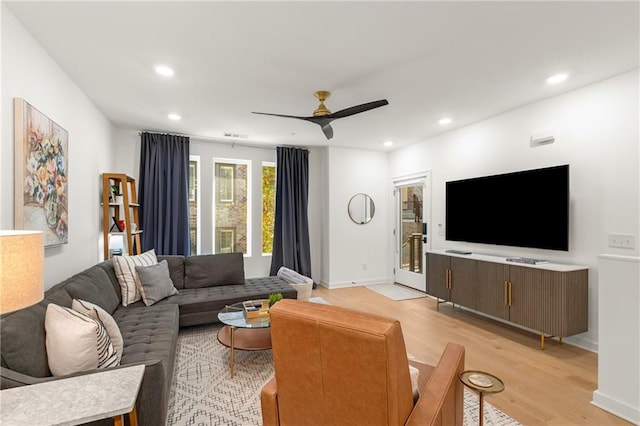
111	208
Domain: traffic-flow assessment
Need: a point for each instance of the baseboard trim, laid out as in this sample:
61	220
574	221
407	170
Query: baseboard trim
613	406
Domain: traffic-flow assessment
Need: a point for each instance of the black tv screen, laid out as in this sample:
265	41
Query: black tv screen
522	209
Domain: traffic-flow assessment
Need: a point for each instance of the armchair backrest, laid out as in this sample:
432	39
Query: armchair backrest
338	366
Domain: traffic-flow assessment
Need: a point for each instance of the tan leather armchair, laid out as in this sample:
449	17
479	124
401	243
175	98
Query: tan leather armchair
337	366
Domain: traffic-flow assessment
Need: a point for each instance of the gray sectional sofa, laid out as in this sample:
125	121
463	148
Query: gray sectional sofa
205	284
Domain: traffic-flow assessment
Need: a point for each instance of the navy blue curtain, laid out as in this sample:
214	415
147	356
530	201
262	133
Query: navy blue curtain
291	229
163	193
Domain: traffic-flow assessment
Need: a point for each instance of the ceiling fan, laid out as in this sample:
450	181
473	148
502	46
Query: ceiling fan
323	117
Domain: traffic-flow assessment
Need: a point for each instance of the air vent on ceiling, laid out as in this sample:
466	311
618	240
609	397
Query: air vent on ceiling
235	135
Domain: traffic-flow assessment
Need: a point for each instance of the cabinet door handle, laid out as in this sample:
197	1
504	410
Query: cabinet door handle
450	279
506	293
510	300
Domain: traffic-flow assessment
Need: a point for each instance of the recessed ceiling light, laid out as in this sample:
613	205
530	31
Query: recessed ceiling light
444	121
388	143
174	117
557	78
164	70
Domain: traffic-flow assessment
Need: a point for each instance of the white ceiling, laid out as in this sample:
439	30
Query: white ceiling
466	60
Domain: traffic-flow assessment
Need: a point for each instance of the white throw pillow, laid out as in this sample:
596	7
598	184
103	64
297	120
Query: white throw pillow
97	313
125	268
76	342
414	373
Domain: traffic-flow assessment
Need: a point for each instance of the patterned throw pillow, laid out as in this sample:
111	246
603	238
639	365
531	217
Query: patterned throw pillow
97	313
155	282
76	342
125	268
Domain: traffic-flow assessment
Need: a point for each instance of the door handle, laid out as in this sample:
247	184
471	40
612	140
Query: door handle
506	293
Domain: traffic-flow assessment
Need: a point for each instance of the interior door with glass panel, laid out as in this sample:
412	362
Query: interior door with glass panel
411	240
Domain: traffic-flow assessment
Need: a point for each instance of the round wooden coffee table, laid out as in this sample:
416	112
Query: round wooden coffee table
242	333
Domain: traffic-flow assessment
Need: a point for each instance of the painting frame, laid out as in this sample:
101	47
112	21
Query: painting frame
41	169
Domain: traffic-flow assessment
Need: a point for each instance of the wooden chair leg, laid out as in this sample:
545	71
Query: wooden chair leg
133	417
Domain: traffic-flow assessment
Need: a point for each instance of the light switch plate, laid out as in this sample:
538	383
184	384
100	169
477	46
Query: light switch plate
622	241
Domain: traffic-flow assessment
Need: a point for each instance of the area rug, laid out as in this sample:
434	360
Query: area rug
204	394
396	292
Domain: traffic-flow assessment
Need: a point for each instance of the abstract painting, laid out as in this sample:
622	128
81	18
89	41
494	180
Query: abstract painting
41	174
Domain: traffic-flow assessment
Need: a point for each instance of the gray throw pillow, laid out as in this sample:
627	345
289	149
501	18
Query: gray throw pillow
155	282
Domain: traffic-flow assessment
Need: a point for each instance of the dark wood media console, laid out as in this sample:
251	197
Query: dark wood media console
551	298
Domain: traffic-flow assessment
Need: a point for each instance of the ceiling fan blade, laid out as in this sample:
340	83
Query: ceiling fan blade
358	109
328	131
281	115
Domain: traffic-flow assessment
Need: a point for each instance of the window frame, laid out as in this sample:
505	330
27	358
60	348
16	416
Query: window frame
220	232
229	181
262	166
198	200
248	219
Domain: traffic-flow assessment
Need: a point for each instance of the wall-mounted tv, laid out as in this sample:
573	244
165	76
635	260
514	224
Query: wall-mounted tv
523	209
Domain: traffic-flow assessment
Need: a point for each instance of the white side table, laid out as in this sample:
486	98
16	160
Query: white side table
74	400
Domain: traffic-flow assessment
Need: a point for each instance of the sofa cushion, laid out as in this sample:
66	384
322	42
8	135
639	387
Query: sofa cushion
76	342
155	282
97	313
23	341
108	268
149	333
214	299
176	269
214	270
92	285
125	267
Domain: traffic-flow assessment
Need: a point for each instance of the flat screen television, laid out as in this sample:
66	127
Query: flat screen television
523	209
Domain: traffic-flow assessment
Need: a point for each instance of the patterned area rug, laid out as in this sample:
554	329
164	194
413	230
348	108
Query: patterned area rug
204	394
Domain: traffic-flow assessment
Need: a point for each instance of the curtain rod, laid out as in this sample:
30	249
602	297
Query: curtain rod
233	143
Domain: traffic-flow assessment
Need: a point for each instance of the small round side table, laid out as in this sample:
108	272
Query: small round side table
481	382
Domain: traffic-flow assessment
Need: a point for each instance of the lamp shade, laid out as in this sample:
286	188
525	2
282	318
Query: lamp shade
21	269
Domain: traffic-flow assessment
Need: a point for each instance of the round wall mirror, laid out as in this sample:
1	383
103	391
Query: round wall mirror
361	209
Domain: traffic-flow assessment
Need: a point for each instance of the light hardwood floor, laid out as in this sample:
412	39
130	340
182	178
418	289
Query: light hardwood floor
550	387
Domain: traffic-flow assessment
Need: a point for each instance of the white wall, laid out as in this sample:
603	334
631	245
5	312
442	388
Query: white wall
357	253
127	144
30	73
596	130
619	333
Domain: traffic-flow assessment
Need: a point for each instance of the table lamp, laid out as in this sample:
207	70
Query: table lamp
21	269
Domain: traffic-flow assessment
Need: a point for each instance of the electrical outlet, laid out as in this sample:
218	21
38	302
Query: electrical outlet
364	266
440	230
622	240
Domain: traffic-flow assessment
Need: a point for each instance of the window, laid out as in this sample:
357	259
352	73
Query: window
193	180
194	204
225	241
224	173
231	215
268	206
